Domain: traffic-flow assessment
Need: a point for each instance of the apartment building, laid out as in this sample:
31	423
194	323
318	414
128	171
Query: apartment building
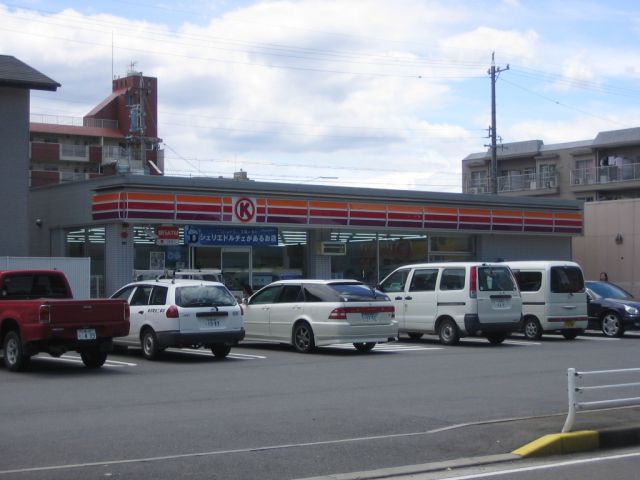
119	135
604	172
604	168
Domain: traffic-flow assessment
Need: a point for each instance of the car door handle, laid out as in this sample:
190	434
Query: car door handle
408	298
569	307
398	298
140	312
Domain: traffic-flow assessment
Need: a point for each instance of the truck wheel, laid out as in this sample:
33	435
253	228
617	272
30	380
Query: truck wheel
220	351
93	358
448	332
150	347
532	329
496	338
14	357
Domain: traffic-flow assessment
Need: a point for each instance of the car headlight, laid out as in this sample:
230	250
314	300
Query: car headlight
631	310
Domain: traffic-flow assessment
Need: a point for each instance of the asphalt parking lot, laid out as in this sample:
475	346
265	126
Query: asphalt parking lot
270	411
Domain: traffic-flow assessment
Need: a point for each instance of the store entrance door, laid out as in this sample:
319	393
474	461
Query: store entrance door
236	268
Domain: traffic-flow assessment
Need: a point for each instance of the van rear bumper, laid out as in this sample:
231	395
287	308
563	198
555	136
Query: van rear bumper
473	326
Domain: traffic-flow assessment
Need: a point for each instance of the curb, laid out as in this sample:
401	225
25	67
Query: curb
582	441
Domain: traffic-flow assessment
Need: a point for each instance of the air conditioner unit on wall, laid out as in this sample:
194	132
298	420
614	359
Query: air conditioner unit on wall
333	248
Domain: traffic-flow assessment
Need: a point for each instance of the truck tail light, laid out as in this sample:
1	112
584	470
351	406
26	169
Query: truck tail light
44	315
473	284
172	312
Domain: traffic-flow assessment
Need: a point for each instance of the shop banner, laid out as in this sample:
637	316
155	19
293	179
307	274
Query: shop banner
198	235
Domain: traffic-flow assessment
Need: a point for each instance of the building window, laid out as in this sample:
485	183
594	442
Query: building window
479	182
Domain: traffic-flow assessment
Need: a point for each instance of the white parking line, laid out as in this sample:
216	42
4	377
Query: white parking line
385	347
208	353
522	343
75	359
597	339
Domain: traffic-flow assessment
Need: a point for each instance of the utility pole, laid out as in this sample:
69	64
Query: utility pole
493	174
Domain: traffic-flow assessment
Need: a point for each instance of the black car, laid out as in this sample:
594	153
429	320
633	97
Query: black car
611	309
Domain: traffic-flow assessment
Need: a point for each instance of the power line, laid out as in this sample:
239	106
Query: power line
556	102
270	164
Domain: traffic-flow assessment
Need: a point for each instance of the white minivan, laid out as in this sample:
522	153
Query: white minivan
553	297
455	299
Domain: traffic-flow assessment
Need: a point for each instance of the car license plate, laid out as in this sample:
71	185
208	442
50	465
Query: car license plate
500	304
369	317
86	334
569	324
210	322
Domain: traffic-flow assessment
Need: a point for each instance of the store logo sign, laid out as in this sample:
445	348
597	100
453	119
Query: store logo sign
244	209
167	235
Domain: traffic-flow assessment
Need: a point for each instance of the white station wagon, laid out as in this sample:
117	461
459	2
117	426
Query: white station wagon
181	313
311	313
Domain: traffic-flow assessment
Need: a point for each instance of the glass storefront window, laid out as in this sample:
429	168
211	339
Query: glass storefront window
88	242
364	249
452	249
284	261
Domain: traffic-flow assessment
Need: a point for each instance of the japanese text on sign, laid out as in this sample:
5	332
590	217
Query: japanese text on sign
203	236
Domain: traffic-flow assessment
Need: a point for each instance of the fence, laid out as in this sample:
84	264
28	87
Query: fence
574	376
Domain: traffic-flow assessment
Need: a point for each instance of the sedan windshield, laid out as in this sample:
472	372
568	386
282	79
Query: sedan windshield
204	296
609	290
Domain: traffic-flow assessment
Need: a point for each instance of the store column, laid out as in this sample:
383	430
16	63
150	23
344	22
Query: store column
118	256
319	265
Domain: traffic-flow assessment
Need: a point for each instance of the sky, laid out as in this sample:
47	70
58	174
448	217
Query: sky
361	93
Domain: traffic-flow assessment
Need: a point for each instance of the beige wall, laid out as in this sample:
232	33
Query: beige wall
597	251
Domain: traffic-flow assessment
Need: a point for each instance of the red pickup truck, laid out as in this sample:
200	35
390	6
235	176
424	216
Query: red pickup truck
38	314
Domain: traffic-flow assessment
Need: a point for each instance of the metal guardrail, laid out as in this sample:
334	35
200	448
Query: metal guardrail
573	376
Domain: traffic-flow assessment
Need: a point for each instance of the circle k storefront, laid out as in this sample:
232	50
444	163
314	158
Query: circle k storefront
258	232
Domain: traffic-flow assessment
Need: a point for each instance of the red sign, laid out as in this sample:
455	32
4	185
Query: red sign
244	210
167	235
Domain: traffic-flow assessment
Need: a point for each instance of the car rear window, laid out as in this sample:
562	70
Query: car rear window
495	279
357	292
204	296
34	286
528	281
566	280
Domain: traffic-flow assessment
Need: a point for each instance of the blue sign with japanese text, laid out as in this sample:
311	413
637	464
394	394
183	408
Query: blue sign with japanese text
196	235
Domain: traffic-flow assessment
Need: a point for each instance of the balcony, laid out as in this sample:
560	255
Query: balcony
73	121
55	152
605	175
529	184
39	178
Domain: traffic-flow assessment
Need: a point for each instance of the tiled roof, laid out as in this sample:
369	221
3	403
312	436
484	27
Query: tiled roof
14	73
75	130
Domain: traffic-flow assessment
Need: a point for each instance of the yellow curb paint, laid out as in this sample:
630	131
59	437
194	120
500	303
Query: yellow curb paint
559	443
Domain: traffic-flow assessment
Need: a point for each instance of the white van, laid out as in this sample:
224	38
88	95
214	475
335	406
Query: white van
553	297
455	299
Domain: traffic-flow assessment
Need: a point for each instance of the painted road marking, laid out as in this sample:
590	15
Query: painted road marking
77	359
385	347
209	353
